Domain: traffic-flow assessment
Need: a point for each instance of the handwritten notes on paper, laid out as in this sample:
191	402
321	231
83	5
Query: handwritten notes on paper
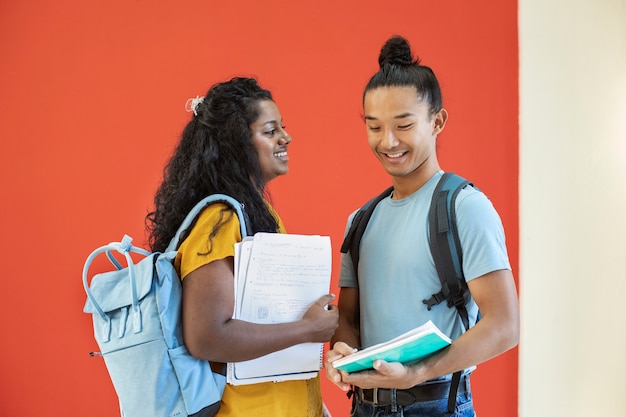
283	273
278	277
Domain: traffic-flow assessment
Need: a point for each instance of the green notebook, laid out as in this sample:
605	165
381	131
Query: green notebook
411	346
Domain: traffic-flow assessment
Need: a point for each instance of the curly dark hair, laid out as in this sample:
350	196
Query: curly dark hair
215	155
398	68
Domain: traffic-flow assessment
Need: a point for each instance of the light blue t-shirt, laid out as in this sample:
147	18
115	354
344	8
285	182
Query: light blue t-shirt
397	271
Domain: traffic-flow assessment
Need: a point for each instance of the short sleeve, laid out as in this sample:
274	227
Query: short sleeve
481	234
204	244
347	277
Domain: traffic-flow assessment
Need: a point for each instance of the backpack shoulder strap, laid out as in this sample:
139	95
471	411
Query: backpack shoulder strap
204	203
445	245
352	241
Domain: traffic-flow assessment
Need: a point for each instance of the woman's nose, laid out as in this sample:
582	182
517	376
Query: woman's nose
285	139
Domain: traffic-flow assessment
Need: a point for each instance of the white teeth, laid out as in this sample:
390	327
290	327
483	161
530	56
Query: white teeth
395	155
280	154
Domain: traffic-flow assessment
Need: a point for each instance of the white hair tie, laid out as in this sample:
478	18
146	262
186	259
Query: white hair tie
193	103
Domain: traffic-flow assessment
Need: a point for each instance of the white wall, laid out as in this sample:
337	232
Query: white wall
573	207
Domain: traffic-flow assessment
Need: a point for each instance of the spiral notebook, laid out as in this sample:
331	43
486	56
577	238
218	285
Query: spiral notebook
410	347
278	276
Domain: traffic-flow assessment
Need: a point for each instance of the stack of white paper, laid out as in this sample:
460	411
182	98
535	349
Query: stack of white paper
277	278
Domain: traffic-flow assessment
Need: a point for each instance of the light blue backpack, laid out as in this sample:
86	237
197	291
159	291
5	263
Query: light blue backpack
136	317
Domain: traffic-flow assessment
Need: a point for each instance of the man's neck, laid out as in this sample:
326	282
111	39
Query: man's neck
406	185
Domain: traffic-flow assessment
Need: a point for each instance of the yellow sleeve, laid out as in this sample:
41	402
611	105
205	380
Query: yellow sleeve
203	245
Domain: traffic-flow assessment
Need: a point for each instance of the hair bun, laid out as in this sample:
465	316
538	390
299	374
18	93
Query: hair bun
396	51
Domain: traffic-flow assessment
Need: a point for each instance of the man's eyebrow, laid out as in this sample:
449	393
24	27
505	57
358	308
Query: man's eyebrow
400	116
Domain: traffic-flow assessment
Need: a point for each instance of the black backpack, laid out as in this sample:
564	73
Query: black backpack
445	247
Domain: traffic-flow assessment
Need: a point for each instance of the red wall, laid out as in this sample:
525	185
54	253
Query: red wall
92	102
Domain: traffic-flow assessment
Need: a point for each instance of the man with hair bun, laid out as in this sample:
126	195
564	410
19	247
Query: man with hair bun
403	113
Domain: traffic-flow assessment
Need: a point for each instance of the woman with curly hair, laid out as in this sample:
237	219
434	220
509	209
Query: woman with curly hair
235	144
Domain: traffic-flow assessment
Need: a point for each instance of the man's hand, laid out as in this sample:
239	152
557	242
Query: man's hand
339	350
384	375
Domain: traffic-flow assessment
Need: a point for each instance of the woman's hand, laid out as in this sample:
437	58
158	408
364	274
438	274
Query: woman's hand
323	319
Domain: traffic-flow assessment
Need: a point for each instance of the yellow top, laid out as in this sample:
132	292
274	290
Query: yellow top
277	399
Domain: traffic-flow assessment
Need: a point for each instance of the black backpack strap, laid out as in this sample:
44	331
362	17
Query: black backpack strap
445	247
352	241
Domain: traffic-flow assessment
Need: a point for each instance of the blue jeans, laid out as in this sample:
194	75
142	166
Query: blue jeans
436	408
